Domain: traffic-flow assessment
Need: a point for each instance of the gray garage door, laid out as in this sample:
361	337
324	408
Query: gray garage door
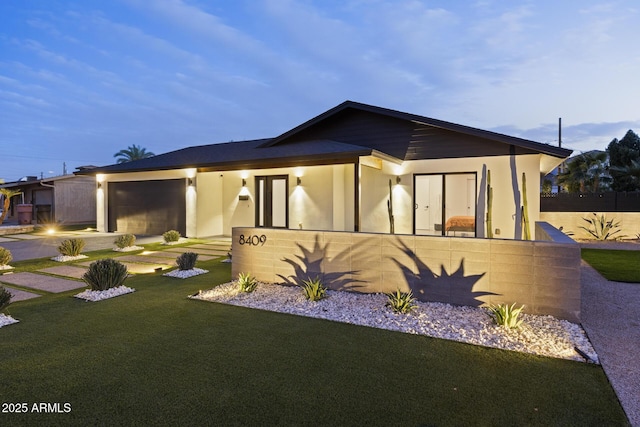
147	207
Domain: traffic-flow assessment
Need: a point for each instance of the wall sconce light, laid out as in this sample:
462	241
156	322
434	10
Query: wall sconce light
99	185
190	182
398	180
244	182
299	181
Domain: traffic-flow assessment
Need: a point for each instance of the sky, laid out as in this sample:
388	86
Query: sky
82	79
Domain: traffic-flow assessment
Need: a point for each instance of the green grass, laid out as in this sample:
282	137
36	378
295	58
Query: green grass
155	357
615	265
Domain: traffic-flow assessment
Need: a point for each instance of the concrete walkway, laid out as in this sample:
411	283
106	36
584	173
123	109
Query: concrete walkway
611	318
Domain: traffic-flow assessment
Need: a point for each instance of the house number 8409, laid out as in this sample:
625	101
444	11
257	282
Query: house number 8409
252	240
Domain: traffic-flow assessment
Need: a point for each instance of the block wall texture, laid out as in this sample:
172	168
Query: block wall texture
542	275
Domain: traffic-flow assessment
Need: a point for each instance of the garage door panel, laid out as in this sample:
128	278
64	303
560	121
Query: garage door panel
147	207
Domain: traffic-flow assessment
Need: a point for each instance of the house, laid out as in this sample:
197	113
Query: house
67	199
355	167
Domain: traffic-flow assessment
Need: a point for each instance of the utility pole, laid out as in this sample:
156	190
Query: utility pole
64	168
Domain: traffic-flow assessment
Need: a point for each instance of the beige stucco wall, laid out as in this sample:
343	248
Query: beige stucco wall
572	221
506	181
325	199
542	275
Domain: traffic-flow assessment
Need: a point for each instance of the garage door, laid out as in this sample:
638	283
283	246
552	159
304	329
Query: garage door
147	207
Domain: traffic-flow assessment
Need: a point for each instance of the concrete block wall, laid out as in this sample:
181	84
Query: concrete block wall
542	275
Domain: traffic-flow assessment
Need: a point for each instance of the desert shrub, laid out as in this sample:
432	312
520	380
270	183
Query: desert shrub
5	256
400	302
171	236
71	247
125	241
187	260
105	274
313	289
506	315
5	298
246	282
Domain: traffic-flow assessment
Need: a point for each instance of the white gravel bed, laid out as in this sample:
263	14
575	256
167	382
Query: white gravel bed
7	320
128	249
184	274
540	335
65	258
6	267
94	296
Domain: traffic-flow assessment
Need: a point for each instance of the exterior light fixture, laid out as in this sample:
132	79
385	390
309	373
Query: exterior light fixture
99	185
398	180
190	182
244	182
299	181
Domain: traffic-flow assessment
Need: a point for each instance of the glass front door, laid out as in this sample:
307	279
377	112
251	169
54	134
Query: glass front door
272	201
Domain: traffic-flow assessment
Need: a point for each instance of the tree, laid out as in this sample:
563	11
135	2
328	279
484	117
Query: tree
623	154
133	152
7	194
585	173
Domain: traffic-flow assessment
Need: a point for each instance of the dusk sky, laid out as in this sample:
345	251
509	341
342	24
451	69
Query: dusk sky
80	80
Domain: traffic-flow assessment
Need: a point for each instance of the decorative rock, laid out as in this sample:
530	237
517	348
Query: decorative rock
128	249
541	335
65	258
7	320
184	274
94	296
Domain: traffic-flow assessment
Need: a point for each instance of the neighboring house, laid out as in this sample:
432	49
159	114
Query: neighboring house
337	172
65	199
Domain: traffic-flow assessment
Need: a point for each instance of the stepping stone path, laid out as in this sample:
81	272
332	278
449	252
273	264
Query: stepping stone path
20	295
42	282
136	264
65	270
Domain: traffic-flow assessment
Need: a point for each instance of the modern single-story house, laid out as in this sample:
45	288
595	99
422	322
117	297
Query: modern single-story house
355	167
66	199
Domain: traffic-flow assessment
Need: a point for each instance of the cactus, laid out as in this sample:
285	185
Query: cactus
489	206
390	209
525	210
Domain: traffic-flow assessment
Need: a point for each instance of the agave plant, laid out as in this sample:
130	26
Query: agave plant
506	315
246	282
400	302
313	289
600	228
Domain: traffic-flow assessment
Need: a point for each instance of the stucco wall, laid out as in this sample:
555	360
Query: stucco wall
542	275
506	181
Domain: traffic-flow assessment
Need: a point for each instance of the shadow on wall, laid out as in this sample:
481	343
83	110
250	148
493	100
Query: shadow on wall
309	265
426	285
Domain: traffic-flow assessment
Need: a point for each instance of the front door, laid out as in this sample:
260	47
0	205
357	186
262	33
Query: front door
272	201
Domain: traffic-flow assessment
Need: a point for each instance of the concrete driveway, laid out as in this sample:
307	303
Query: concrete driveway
40	246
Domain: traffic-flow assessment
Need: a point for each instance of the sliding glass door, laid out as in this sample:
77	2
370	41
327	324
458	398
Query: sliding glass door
445	204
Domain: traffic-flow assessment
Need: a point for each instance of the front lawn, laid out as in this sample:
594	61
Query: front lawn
154	357
615	265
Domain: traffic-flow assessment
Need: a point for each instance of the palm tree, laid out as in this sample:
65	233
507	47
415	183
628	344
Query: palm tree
133	152
586	172
7	194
